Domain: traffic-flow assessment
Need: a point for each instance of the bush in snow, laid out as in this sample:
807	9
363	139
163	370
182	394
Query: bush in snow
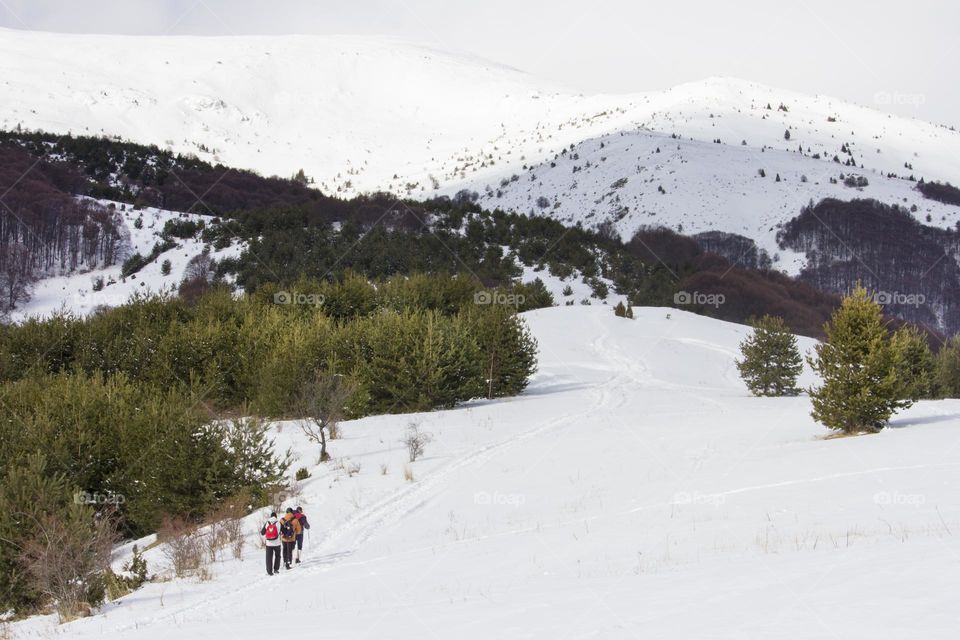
183	548
179	228
854	181
416	441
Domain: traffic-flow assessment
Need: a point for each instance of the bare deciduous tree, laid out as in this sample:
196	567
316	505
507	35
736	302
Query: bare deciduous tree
17	275
322	405
200	268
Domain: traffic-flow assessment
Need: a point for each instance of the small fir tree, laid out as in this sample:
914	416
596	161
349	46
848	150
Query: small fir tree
860	368
916	362
771	360
947	369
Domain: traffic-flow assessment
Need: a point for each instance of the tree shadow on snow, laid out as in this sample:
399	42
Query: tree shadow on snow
901	423
560	387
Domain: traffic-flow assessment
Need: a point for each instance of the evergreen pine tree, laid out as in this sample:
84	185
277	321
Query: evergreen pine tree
947	369
771	359
916	362
860	368
508	350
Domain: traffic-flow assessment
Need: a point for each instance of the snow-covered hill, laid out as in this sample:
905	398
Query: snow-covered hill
635	490
363	114
642	178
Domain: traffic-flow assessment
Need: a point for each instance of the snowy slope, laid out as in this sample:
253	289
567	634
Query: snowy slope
363	114
705	187
635	490
75	292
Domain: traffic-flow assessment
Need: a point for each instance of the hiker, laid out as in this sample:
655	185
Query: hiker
271	535
289	528
304	525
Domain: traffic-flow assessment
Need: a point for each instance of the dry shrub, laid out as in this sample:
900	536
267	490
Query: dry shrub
234	530
184	547
226	529
67	558
216	538
416	441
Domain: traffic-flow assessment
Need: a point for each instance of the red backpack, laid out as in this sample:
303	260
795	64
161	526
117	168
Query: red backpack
270	531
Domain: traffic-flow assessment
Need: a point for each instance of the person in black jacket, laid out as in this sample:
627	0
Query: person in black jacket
304	525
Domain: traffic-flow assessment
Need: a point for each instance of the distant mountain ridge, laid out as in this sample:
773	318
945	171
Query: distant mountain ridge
362	114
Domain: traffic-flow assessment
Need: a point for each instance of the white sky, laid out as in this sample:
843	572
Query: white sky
852	49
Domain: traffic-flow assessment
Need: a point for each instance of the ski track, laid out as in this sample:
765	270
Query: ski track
639	374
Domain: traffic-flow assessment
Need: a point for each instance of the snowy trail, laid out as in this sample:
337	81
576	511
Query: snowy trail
343	541
634	490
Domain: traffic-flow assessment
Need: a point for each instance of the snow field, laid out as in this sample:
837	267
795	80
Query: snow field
634	489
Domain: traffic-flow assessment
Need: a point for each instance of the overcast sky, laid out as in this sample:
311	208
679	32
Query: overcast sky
897	56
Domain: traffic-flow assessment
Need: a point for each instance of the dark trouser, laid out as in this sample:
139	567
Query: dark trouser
288	551
299	541
273	560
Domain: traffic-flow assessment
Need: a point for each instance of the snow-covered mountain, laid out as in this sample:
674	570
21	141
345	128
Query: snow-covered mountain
364	114
634	490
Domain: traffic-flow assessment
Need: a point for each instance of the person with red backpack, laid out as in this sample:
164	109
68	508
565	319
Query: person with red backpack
271	535
289	530
304	525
